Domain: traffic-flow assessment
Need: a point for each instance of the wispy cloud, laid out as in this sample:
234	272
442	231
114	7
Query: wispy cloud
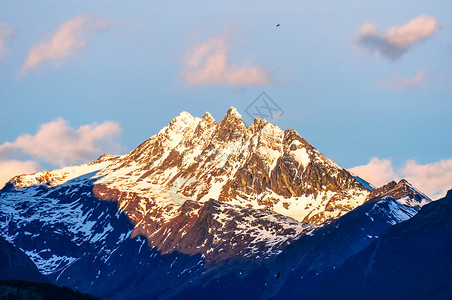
397	82
207	64
59	144
434	179
392	43
69	38
6	31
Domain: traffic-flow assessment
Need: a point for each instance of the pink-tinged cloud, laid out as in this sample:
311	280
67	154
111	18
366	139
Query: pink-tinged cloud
59	144
69	38
378	172
6	31
399	83
11	168
433	179
207	64
392	43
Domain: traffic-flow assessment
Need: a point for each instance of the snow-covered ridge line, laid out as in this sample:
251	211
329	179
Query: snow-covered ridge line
398	212
59	176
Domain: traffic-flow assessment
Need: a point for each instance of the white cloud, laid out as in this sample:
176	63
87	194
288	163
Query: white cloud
59	144
70	37
6	31
11	168
395	41
396	82
207	64
434	179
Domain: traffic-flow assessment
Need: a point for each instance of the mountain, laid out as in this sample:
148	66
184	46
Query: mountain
166	184
78	241
199	205
404	192
15	264
21	279
259	166
19	289
364	183
408	261
256	167
207	197
302	266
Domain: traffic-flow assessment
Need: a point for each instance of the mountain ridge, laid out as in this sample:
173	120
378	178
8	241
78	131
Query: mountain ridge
196	205
410	260
163	184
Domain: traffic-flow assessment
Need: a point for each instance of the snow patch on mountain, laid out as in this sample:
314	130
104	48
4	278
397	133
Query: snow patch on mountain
64	213
300	154
397	212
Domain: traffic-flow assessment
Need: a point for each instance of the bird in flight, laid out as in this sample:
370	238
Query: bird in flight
277	25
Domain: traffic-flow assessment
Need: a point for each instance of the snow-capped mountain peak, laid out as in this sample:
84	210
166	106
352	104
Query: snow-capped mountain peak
205	197
164	185
258	166
197	159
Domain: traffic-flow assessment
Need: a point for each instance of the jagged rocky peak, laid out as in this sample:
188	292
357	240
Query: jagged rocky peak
258	125
232	119
206	123
269	138
208	118
183	118
293	142
231	128
105	157
179	124
265	129
233	113
403	192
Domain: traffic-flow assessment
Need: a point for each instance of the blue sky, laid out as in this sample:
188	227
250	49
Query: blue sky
368	84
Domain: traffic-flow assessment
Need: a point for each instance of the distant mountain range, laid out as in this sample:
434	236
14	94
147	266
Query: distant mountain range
198	208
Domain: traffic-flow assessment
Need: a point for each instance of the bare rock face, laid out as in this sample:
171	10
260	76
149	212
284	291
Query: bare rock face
403	192
223	232
219	230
